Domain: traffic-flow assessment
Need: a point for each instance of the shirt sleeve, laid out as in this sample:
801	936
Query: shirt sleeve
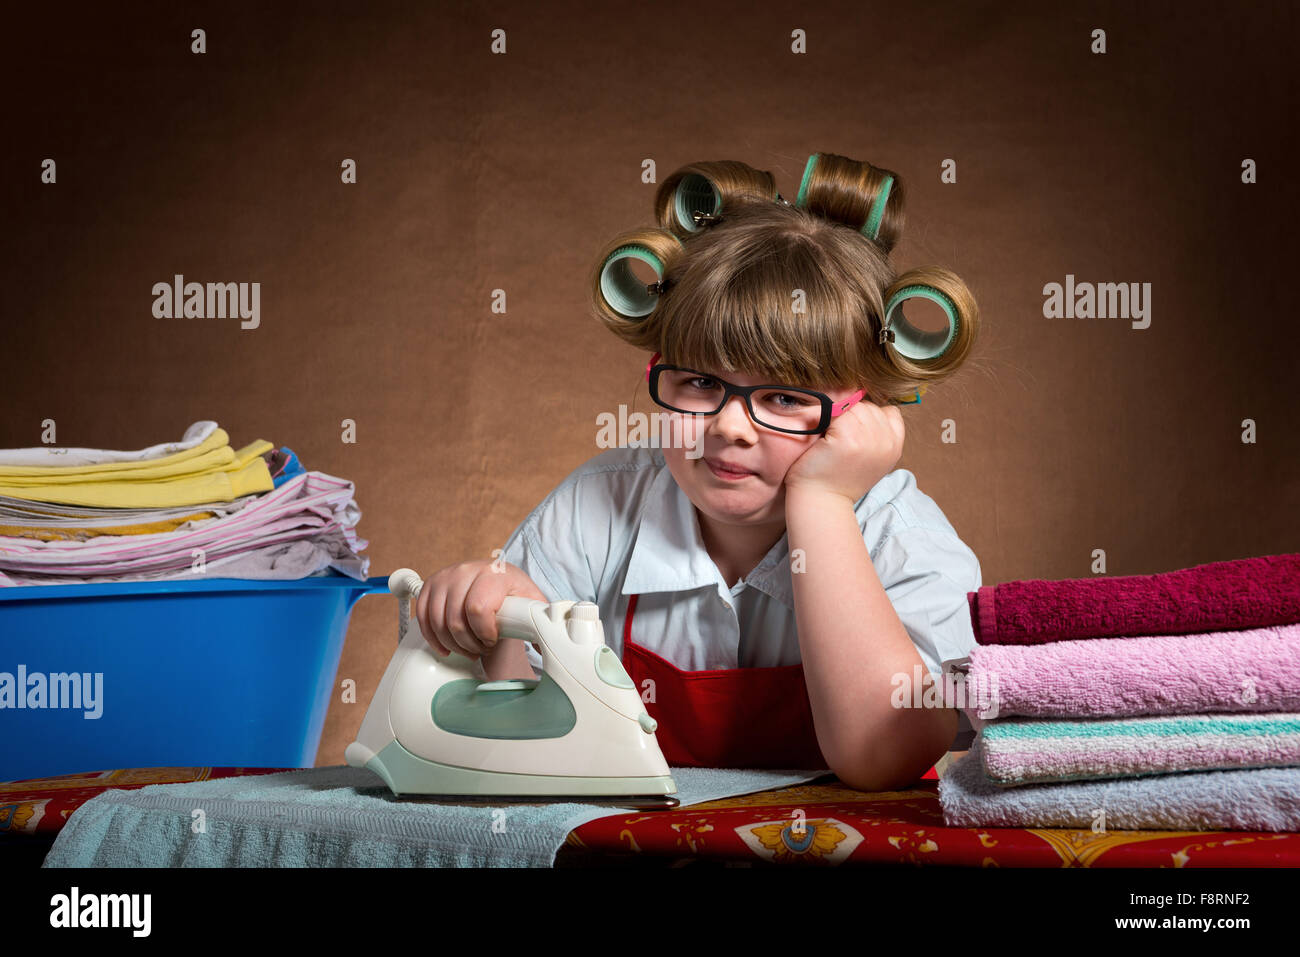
926	574
548	546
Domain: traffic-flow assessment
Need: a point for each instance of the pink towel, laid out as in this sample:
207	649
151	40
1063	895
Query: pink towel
1221	596
1227	671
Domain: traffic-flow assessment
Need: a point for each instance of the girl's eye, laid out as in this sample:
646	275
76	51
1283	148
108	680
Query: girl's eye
703	383
789	400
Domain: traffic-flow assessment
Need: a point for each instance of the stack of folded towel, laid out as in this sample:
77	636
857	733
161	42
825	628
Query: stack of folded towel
190	509
1148	701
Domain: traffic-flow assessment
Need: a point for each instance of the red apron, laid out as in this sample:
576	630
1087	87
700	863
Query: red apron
726	718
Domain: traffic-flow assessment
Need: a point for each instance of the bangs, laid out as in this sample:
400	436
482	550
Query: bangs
739	316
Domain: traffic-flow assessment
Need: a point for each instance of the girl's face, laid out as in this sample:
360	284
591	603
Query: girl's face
704	445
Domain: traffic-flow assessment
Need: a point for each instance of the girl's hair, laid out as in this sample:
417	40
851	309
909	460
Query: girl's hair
796	292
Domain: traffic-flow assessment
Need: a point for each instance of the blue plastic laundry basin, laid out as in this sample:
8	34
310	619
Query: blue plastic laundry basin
209	672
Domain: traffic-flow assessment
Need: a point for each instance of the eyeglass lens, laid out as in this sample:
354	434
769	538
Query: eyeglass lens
779	408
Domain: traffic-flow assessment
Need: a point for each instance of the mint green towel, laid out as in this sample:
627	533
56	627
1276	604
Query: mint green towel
343	817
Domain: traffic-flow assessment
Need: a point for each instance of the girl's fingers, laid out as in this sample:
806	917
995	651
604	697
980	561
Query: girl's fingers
429	612
458	629
482	601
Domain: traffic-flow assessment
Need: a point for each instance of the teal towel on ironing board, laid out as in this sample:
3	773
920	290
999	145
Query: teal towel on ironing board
343	817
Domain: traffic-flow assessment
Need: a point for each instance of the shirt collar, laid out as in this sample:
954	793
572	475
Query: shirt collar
669	552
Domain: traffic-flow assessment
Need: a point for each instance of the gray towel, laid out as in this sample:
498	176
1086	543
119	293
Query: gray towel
343	817
1266	799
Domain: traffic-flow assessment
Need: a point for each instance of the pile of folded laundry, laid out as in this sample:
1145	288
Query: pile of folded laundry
1165	702
196	508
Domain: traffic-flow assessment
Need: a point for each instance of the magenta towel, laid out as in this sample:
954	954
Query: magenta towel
1232	671
1220	596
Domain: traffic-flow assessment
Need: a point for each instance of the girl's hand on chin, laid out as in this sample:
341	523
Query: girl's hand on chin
860	448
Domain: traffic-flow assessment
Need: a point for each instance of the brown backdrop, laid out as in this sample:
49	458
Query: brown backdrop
479	172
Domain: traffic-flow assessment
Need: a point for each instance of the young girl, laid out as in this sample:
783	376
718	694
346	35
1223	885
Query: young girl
769	580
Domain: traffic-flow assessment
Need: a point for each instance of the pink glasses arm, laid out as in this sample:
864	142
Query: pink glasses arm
839	408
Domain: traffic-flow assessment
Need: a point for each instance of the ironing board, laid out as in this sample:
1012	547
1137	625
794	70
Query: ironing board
839	826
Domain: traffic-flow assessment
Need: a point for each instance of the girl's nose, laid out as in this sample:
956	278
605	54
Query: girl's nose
733	420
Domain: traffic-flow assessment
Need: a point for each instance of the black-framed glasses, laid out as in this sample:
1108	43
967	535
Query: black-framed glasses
781	408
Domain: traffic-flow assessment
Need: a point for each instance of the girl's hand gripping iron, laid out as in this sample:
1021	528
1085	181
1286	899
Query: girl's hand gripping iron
581	730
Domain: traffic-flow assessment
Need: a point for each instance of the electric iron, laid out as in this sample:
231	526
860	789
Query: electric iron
579	731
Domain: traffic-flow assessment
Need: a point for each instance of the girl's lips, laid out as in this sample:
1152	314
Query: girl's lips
724	474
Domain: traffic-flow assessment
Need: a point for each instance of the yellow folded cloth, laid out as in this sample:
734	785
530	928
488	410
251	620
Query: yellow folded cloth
212	453
245	474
